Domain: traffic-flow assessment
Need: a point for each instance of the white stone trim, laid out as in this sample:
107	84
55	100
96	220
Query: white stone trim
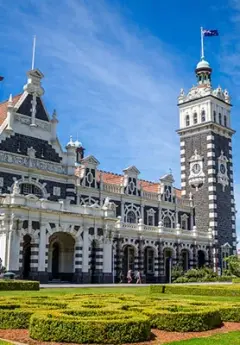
212	197
210	162
182	151
211	171
212	206
212	214
182	160
211	188
182	143
183	176
210	137
211	179
213	223
210	146
183	167
211	154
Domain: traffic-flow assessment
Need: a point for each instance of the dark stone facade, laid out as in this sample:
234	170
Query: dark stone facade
20	143
26	106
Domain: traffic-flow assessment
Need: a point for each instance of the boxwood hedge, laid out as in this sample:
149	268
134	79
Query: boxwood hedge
201	290
6	285
110	318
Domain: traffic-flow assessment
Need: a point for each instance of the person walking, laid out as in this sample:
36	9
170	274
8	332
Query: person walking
138	277
129	276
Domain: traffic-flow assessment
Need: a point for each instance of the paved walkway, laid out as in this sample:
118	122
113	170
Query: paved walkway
63	285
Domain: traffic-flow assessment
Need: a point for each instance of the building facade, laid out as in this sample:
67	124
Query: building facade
64	219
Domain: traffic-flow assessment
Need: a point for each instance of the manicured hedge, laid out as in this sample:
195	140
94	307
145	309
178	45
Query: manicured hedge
6	285
62	328
184	321
236	280
201	290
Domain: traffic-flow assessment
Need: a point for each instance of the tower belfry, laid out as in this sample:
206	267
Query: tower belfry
206	159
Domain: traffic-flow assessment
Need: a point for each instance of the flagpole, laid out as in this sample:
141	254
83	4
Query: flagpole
33	53
202	45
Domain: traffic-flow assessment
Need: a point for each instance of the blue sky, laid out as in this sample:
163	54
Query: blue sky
113	70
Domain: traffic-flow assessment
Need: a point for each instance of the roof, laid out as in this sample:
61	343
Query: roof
111	178
4	105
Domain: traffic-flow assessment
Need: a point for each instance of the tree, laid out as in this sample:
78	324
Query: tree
233	265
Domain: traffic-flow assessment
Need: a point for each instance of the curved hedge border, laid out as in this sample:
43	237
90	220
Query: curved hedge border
64	328
196	290
21	285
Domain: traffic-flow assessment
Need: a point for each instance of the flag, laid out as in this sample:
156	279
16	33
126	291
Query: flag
210	32
1	78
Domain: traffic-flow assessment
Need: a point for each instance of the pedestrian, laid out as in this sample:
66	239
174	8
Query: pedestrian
129	276
138	277
121	276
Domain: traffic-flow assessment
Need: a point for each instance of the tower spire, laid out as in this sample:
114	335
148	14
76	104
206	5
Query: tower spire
33	51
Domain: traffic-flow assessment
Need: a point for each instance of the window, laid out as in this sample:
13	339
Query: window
56	191
187	120
151	217
27	188
203	116
167	222
184	224
225	121
150	260
184	221
131	217
220	118
214	116
130	258
195	118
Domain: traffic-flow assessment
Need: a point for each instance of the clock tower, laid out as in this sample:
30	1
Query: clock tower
206	161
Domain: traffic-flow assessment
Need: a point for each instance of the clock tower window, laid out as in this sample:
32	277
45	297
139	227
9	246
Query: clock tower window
220	118
187	120
225	121
203	116
195	118
214	116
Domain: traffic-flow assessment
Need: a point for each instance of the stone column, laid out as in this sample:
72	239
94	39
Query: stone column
160	262
107	261
193	264
13	250
78	260
43	254
34	258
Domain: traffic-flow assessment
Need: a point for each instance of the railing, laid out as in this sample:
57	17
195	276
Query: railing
150	196
112	188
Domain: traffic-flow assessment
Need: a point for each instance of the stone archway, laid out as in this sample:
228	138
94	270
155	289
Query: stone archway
149	257
61	256
201	259
185	259
128	259
168	256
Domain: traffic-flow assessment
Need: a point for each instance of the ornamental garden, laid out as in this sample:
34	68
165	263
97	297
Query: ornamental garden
116	315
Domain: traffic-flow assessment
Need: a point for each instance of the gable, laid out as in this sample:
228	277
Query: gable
26	106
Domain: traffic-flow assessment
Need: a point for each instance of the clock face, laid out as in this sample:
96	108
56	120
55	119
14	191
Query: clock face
196	168
222	168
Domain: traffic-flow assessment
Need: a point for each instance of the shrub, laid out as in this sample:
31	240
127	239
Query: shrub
63	328
181	280
177	272
184	321
196	290
14	319
6	285
236	280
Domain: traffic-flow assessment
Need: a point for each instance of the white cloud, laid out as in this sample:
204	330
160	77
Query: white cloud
111	82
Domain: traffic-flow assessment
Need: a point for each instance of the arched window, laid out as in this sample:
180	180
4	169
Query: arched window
203	116
167	222
225	121
131	217
220	118
27	188
195	118
214	116
187	119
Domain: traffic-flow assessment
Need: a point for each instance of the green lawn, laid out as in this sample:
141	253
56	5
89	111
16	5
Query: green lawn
232	338
5	343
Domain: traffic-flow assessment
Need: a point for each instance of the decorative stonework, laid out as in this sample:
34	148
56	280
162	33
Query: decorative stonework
34	163
197	92
56	191
26	120
222	171
197	176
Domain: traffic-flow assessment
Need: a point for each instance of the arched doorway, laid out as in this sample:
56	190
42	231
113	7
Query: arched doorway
55	260
128	259
201	258
26	256
149	264
168	254
61	256
185	259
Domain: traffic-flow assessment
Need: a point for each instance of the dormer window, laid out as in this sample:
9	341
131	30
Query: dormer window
203	116
220	118
195	118
187	120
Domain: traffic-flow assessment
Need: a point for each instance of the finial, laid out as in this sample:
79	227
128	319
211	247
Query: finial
54	115
33	52
170	171
10	98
